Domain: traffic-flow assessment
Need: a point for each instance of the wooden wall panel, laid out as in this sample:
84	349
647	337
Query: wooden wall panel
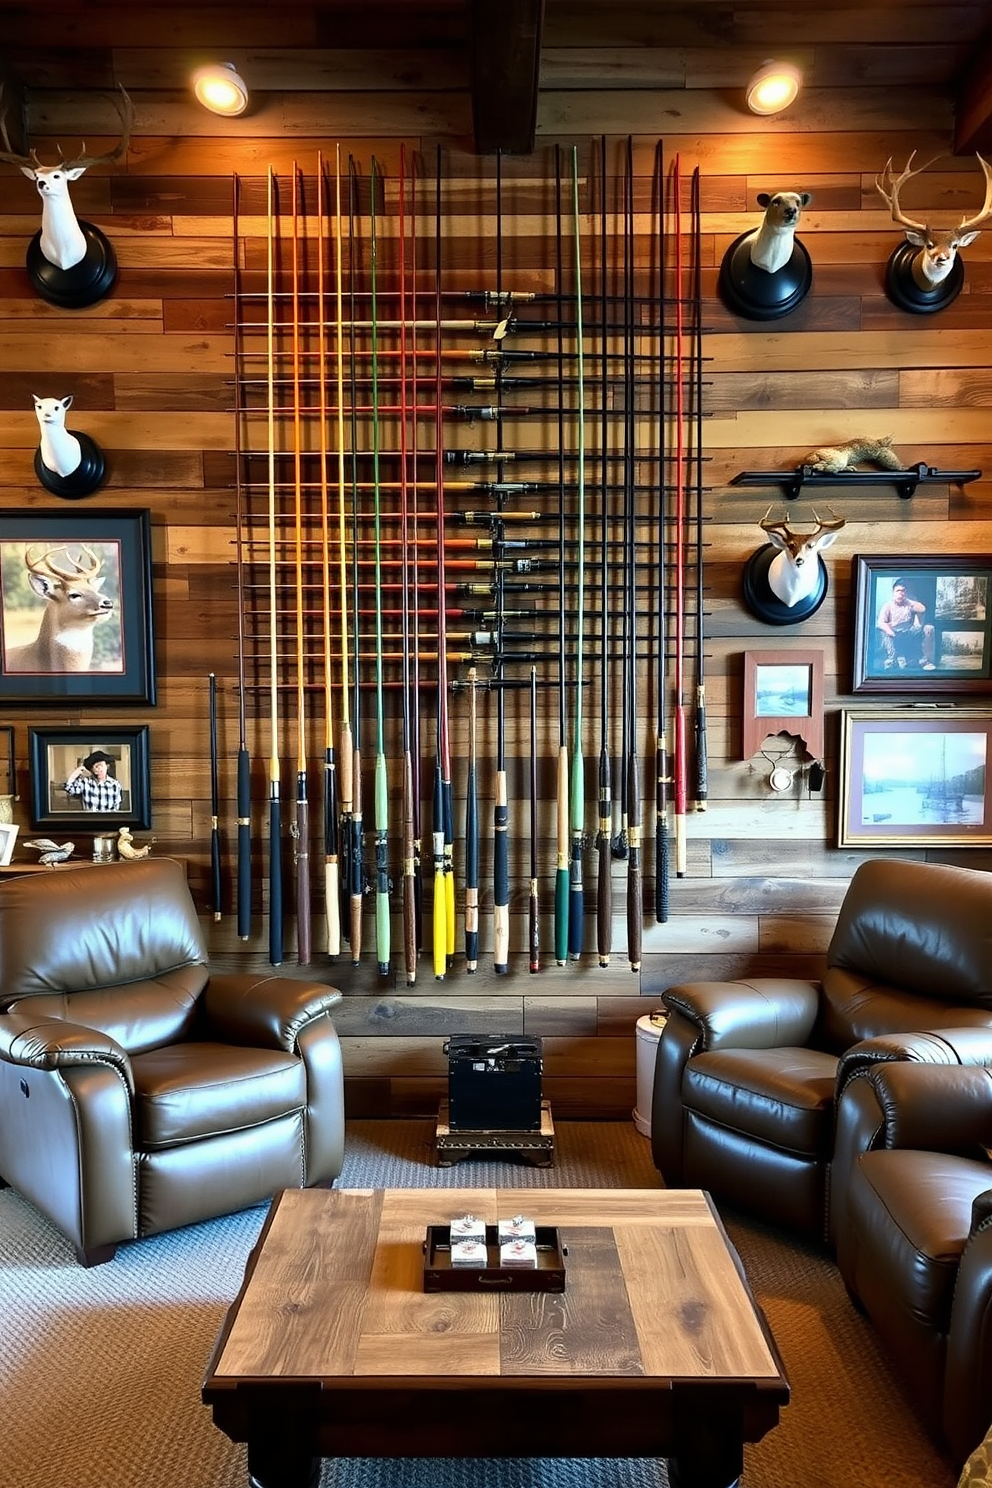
152	370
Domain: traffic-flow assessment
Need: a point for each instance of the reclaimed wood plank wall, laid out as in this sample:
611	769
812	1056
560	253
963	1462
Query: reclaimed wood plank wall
151	370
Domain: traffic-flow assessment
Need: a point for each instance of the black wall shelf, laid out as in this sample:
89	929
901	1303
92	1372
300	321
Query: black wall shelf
904	481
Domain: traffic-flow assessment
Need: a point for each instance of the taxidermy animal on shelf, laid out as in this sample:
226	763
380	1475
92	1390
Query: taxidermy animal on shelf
772	243
925	273
832	459
127	849
68	579
51	852
785	581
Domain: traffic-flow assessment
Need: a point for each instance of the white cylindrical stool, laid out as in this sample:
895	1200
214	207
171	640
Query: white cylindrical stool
647	1031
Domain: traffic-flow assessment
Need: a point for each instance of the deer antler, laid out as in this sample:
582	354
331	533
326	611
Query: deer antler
780	527
892	195
125	109
45	563
10	153
834	526
969	224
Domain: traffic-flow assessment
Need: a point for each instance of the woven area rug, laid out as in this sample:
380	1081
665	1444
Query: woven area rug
100	1370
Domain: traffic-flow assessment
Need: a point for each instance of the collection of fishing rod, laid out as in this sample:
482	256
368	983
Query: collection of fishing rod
397	557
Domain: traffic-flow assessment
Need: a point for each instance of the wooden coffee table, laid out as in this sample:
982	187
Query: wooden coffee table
656	1348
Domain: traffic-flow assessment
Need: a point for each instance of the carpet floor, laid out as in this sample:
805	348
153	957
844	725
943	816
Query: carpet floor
100	1370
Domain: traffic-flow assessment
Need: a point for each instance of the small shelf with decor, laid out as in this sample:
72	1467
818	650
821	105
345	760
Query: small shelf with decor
905	481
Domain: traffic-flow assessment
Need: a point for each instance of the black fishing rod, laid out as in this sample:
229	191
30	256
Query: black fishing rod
501	806
562	796
409	794
604	893
442	833
662	770
244	868
356	864
300	827
215	875
381	781
534	905
577	783
332	850
635	906
275	789
696	424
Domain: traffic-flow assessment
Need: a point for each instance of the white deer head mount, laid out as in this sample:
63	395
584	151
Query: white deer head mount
67	258
785	581
926	272
68	463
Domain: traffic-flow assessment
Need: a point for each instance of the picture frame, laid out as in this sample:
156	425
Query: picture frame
54	754
783	694
944	648
8	836
90	570
915	778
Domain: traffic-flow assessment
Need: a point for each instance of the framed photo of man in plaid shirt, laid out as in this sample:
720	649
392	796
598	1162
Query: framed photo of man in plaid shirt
89	779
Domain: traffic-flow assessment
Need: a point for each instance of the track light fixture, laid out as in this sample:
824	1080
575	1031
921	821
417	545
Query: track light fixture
219	88
773	87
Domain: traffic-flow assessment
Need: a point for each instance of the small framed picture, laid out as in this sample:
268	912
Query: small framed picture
89	779
783	694
8	836
922	625
913	779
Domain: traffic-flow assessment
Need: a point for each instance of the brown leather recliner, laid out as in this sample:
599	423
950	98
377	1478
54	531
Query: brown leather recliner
916	1248
138	1092
748	1072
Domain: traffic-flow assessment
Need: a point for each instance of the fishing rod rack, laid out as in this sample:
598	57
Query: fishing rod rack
365	301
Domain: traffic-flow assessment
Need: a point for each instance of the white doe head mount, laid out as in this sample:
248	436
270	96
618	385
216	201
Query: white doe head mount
70	263
767	272
67	462
785	580
925	273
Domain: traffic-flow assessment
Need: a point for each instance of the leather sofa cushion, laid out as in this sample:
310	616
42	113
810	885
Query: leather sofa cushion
856	1006
911	1213
780	1096
190	1091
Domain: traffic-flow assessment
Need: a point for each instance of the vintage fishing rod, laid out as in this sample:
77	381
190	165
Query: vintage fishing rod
275	801
663	779
409	898
416	609
472	835
681	783
244	866
534	907
575	894
696	391
356	864
300	829
381	782
604	887
332	863
501	806
635	903
346	750
218	906
561	798
443	846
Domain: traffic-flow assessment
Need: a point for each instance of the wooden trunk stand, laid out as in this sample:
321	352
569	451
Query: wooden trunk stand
453	1145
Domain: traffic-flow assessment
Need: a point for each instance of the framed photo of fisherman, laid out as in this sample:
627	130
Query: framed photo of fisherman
89	779
922	625
75	607
911	778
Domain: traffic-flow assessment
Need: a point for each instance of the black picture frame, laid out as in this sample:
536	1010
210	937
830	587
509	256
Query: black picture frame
915	778
948	646
53	753
121	670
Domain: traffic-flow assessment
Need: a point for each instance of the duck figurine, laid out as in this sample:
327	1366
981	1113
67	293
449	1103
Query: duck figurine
51	852
126	848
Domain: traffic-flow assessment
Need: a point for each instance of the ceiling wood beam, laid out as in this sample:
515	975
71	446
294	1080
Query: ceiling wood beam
505	43
973	104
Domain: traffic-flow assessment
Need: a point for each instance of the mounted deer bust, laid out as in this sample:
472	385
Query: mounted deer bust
70	263
926	273
767	272
785	581
67	463
67	577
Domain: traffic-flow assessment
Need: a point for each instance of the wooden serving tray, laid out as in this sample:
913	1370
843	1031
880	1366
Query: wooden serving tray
441	1276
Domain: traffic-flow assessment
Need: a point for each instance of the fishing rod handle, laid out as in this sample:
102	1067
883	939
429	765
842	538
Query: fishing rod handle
561	873
409	875
702	782
332	859
275	878
534	927
501	877
244	843
635	899
215	875
604	896
471	871
301	858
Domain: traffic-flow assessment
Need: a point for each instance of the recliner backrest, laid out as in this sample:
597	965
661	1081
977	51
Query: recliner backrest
117	947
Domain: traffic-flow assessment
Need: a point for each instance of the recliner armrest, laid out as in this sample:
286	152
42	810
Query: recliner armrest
52	1043
266	1011
981	1212
955	1046
766	1013
933	1108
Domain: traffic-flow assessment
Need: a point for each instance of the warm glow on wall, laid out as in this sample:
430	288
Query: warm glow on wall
774	86
219	88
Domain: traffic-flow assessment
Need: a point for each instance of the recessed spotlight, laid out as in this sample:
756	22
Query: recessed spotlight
774	86
219	88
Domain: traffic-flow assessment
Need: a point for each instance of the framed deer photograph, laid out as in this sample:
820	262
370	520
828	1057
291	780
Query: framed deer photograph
89	779
76	607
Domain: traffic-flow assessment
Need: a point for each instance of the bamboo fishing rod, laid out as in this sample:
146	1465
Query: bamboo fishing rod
408	813
275	801
356	864
662	770
346	751
575	894
332	848
635	903
604	887
244	867
562	799
534	905
501	807
443	866
472	836
681	784
215	876
300	829
381	781
415	748
696	387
